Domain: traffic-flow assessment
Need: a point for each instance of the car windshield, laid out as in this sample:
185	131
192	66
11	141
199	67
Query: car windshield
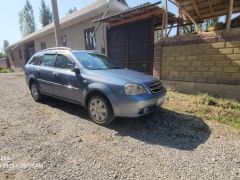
94	61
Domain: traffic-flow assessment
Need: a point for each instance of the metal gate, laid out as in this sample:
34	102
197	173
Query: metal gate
131	45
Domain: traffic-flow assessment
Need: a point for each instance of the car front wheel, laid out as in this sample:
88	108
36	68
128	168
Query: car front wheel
100	110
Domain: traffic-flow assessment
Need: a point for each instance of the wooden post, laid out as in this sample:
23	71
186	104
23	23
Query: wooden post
166	17
56	22
163	22
229	17
185	12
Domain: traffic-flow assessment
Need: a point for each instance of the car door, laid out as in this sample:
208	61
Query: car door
45	74
70	82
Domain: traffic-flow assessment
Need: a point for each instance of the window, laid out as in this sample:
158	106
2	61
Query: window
90	39
63	62
64	40
48	60
95	61
43	45
20	53
35	60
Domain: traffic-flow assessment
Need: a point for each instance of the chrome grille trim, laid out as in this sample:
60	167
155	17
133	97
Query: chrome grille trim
155	88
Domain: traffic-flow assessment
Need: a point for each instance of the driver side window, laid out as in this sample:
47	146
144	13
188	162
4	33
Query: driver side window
63	62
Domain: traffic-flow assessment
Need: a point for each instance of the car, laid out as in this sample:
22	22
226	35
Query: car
93	81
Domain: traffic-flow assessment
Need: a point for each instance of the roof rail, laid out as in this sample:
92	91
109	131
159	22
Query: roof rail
56	48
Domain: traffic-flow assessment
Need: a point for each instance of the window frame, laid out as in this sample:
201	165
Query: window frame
36	56
88	46
64	40
43	44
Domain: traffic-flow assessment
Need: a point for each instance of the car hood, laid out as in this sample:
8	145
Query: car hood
123	76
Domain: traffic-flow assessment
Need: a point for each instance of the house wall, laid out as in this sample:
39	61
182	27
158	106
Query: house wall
75	36
3	62
211	66
16	60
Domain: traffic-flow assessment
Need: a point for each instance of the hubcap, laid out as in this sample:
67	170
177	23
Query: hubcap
98	110
34	91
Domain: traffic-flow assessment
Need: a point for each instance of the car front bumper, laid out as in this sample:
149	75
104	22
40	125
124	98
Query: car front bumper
137	106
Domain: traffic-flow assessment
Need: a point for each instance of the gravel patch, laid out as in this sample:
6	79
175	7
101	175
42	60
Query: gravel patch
56	140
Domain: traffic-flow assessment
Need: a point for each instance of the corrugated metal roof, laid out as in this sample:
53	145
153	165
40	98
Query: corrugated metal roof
129	10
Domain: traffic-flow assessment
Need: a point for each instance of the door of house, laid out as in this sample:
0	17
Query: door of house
131	45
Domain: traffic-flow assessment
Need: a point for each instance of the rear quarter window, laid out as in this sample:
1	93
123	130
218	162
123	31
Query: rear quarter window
35	60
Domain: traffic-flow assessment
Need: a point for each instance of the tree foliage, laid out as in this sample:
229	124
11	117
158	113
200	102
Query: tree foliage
2	55
71	10
26	20
45	14
210	22
5	45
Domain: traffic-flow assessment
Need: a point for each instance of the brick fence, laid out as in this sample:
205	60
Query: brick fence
195	61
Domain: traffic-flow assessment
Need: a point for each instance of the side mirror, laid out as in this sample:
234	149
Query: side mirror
76	69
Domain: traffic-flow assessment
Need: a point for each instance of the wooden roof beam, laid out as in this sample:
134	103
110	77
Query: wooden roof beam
228	24
186	13
210	6
195	7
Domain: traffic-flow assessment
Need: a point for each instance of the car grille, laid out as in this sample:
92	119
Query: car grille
156	88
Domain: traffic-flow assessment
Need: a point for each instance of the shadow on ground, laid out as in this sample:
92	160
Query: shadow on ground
163	127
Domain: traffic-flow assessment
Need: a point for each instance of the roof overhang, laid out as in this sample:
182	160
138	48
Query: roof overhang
141	12
206	9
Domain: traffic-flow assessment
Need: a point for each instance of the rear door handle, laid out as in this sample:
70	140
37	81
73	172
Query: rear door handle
55	73
37	71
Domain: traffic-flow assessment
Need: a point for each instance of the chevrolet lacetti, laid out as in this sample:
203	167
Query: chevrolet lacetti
93	81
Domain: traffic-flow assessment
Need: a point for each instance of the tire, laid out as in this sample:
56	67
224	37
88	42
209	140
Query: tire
36	95
100	110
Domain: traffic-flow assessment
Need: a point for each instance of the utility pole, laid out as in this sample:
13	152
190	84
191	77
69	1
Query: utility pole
56	22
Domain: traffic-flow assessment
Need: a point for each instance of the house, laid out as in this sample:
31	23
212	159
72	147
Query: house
76	32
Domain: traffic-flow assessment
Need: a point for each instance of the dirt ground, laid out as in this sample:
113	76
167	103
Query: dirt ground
56	140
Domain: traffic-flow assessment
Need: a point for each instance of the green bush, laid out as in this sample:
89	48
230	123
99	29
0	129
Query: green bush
4	70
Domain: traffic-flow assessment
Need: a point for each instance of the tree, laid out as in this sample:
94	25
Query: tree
210	22
2	55
71	10
45	14
26	20
5	45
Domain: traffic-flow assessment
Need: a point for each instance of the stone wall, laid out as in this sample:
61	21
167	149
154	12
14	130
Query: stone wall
209	61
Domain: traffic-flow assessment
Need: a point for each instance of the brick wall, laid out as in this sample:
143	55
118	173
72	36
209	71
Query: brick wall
216	63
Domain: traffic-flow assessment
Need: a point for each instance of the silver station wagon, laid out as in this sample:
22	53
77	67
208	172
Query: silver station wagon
90	79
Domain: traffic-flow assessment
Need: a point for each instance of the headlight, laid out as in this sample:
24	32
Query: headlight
134	89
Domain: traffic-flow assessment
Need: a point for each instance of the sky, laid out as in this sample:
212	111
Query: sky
9	14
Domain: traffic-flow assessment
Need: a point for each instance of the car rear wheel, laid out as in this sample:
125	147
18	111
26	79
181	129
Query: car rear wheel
37	96
100	110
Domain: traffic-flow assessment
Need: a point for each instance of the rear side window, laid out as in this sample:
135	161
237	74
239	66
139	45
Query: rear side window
63	62
35	60
48	60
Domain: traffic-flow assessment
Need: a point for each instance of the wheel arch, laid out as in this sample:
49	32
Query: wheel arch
31	80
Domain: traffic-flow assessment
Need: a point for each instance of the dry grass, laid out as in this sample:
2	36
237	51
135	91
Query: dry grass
207	107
